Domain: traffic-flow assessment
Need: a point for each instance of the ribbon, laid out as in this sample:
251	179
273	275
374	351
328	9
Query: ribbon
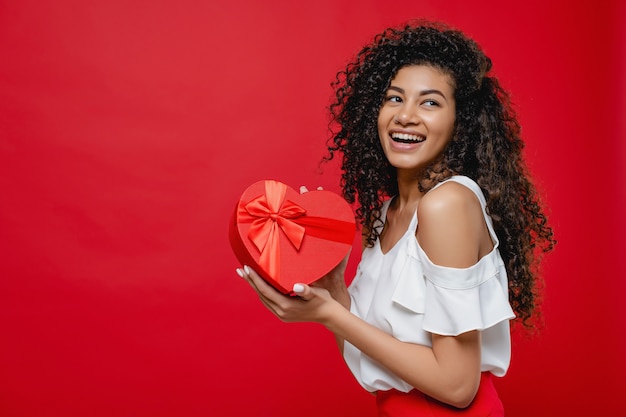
270	213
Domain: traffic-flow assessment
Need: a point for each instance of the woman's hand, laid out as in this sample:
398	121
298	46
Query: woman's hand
303	189
334	282
309	304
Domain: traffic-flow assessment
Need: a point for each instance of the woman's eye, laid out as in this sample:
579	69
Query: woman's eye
430	103
393	99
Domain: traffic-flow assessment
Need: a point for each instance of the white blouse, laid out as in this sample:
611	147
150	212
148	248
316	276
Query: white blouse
406	295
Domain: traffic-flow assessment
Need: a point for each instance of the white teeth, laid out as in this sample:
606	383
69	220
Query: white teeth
406	136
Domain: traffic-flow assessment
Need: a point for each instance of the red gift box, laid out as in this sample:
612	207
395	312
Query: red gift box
288	237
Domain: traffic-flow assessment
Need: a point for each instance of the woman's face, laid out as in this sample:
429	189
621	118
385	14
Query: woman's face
416	120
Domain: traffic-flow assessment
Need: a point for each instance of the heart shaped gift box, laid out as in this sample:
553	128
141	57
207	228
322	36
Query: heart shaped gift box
288	237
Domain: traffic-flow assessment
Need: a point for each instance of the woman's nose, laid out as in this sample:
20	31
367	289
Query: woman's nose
406	115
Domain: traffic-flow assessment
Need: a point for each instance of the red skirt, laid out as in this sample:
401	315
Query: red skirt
394	403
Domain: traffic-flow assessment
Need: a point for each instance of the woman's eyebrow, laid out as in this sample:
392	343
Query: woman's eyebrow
398	89
422	93
433	91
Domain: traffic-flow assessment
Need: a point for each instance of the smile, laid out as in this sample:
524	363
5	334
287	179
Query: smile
407	138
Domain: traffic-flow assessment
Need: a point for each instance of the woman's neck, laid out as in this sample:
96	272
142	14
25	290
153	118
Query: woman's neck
409	192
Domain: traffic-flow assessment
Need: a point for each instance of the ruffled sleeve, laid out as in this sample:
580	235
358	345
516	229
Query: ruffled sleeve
458	300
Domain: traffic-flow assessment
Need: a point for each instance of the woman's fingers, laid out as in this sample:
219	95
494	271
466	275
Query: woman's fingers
269	296
258	283
303	189
301	307
303	291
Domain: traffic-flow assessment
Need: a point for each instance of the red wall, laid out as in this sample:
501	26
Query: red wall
127	131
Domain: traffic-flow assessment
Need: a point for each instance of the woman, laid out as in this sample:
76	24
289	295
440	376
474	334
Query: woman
453	228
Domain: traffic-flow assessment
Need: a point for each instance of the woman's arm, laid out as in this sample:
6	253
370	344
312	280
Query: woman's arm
334	282
451	231
440	371
449	371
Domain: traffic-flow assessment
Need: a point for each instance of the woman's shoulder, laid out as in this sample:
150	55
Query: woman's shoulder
450	225
450	197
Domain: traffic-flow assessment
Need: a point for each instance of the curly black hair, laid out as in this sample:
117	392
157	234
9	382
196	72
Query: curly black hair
486	145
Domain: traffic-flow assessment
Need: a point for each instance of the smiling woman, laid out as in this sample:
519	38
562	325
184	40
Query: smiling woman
432	153
419	104
129	129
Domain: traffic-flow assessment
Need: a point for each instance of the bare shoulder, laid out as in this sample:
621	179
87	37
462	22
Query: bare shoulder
450	225
448	199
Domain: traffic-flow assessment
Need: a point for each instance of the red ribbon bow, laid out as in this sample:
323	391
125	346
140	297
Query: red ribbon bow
273	213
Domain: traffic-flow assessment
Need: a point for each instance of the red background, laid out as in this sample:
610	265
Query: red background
129	128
